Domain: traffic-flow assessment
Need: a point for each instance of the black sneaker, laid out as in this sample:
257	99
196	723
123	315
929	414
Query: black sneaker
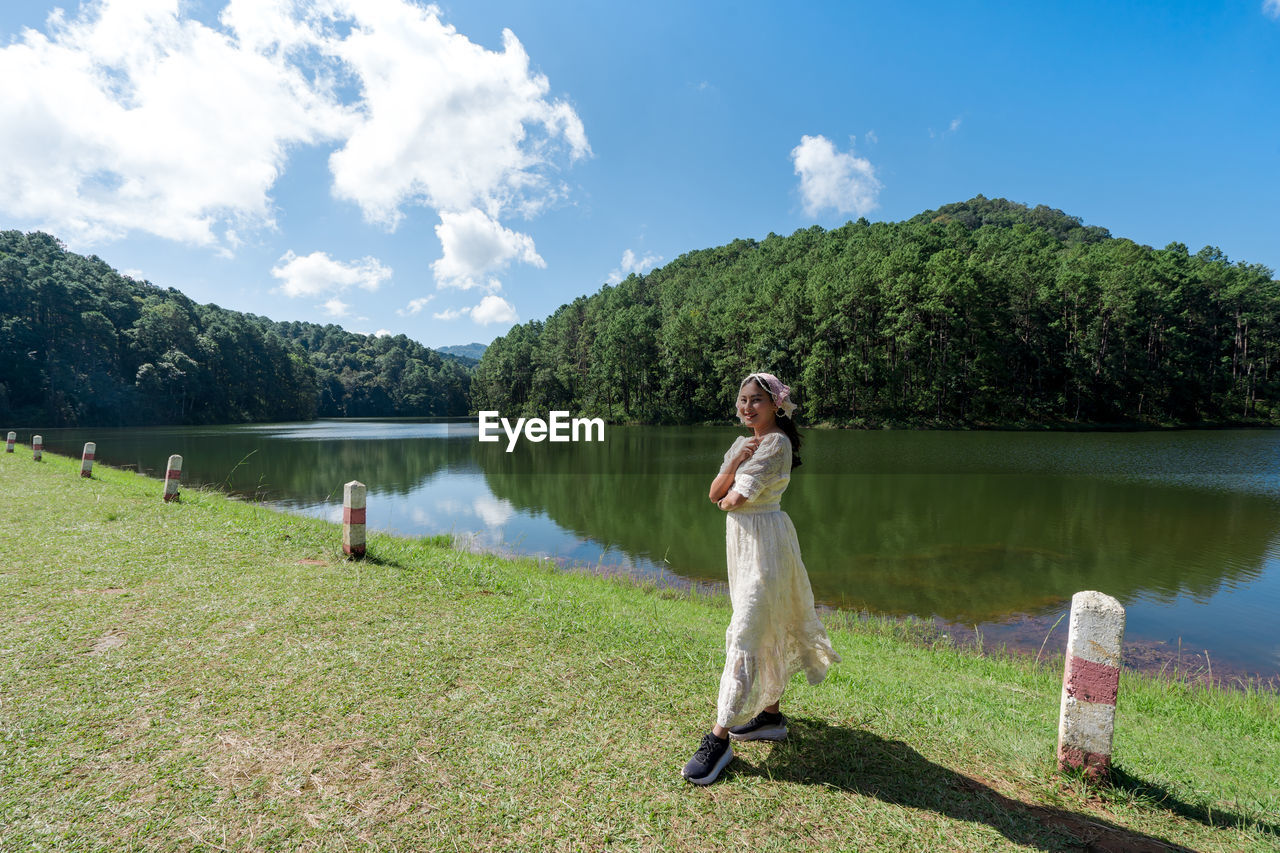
712	756
767	725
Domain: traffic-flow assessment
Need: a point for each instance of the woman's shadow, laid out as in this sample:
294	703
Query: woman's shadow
864	763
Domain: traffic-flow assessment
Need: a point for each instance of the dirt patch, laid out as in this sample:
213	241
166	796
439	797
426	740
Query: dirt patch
329	780
113	639
132	728
312	563
289	765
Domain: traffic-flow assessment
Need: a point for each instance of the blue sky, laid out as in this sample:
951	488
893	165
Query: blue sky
439	171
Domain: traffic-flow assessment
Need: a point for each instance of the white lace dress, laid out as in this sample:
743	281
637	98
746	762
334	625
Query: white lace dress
774	632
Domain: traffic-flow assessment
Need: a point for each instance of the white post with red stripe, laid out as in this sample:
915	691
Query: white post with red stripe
8	445
86	459
353	499
1086	726
37	448
171	476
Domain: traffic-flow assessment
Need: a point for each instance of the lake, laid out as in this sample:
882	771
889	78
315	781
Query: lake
987	529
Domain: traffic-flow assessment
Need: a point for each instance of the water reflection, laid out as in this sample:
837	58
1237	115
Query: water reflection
970	527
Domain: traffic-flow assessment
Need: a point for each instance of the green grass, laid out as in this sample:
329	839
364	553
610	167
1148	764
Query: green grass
212	674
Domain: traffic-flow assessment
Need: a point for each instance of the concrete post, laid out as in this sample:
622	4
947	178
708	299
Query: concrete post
8	445
86	459
37	448
353	500
1086	725
171	477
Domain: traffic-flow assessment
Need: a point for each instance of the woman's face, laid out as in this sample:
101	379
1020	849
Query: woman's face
755	407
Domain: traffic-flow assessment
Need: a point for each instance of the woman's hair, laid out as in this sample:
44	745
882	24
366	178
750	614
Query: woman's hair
786	424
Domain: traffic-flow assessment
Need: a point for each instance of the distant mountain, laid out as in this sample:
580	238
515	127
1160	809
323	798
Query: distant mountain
81	344
474	352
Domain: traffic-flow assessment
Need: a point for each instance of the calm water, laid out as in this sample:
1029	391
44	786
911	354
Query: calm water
969	527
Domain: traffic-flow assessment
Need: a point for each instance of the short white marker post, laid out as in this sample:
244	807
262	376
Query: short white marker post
8	445
86	459
37	448
353	498
171	477
1090	683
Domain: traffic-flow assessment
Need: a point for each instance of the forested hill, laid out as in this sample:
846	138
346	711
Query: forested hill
81	344
984	313
469	353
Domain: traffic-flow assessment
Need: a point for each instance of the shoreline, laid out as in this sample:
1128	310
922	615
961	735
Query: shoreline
1030	637
1035	638
1019	633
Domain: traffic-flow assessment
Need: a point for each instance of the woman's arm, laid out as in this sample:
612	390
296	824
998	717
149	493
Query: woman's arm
723	483
733	500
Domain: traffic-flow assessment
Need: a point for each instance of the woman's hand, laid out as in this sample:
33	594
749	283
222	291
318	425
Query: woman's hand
731	501
747	451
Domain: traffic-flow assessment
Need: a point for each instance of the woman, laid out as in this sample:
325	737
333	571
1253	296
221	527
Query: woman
774	631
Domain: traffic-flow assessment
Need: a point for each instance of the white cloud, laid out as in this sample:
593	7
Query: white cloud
475	245
335	307
1271	8
317	273
952	127
832	179
132	117
415	306
382	333
444	119
871	137
492	309
631	264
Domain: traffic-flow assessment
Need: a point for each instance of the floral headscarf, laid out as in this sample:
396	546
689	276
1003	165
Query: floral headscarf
780	393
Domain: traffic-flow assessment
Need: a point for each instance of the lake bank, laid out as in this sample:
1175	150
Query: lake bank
1034	637
212	672
996	530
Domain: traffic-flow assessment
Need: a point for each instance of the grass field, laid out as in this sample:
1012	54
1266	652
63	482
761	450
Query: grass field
213	675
